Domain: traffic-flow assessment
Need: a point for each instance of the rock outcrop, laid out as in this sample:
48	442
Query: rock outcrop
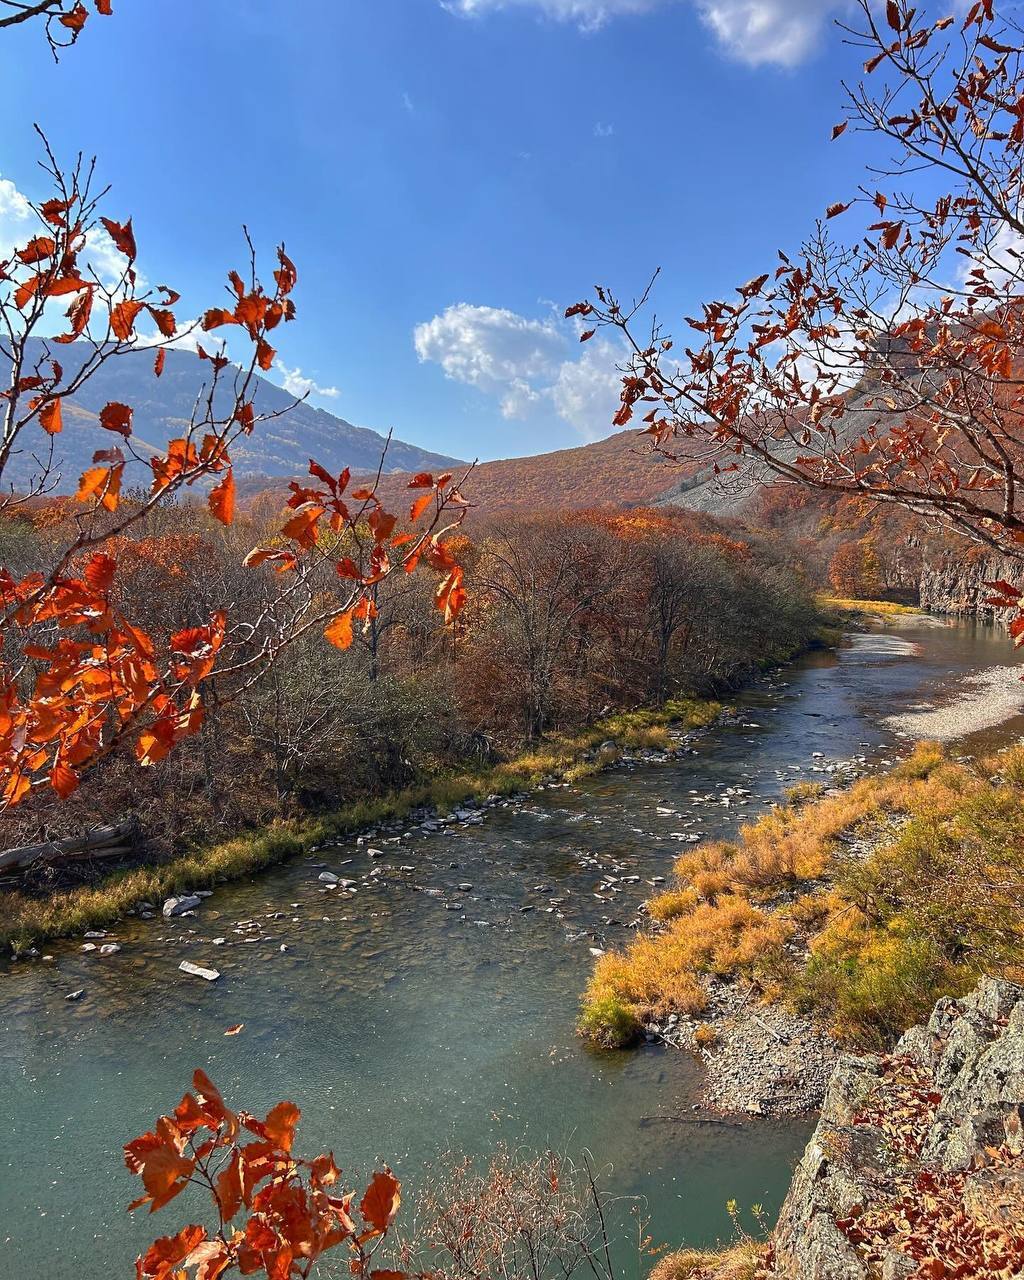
955	584
916	1167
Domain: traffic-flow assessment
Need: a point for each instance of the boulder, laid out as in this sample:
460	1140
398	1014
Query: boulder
178	906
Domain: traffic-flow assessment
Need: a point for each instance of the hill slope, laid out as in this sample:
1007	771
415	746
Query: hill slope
617	472
163	406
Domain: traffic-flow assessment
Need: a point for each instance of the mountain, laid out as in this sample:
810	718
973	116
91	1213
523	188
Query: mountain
618	472
163	406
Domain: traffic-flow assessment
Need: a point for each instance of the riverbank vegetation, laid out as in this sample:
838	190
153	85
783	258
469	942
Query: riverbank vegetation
860	908
550	671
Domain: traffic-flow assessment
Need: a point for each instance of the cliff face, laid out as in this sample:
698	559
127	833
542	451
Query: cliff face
916	1167
956	584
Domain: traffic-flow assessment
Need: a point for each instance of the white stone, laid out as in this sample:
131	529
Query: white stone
197	971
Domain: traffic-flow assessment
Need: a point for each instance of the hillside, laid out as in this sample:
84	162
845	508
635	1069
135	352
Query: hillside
618	472
280	448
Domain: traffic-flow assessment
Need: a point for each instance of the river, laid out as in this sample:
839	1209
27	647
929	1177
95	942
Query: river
416	1015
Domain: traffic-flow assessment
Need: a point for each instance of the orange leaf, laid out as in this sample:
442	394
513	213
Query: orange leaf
216	316
222	498
50	417
164	321
420	505
76	19
158	363
38	248
122	318
280	1124
63	780
339	633
229	1182
235	1030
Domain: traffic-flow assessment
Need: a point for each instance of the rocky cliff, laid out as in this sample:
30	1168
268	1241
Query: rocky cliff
955	584
916	1168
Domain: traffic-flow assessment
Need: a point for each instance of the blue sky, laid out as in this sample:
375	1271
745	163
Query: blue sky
449	177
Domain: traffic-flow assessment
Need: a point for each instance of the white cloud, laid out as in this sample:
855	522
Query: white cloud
783	32
15	213
589	15
491	348
586	392
297	384
527	365
603	130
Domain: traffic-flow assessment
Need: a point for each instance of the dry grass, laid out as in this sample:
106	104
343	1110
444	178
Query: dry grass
865	606
740	1261
904	888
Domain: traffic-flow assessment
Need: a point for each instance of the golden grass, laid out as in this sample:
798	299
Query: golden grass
930	897
740	1261
865	606
30	918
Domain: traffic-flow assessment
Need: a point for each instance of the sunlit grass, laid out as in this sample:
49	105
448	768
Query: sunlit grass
865	606
904	888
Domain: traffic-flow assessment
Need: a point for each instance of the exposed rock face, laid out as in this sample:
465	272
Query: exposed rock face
918	1158
956	584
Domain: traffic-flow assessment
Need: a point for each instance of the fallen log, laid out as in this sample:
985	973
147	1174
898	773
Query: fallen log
100	842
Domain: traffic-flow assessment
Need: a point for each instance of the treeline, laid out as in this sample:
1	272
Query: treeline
570	617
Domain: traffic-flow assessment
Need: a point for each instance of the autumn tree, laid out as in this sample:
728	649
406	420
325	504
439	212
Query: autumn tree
78	678
886	364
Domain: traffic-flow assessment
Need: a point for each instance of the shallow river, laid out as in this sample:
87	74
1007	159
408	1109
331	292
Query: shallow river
406	1019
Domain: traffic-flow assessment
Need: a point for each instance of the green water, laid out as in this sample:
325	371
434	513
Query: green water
401	1026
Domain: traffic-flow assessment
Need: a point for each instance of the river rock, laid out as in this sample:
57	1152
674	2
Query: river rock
327	877
109	949
75	995
178	906
197	971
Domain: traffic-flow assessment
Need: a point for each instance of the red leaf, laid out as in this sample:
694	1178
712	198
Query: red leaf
117	417
158	363
122	318
122	236
380	1203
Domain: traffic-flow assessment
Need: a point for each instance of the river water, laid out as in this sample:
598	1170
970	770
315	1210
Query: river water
414	1014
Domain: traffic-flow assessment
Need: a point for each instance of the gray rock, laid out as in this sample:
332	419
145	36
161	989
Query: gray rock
75	995
327	877
109	949
970	1060
178	906
197	971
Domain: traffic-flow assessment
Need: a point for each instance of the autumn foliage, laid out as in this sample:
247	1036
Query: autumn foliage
276	1213
78	677
885	365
